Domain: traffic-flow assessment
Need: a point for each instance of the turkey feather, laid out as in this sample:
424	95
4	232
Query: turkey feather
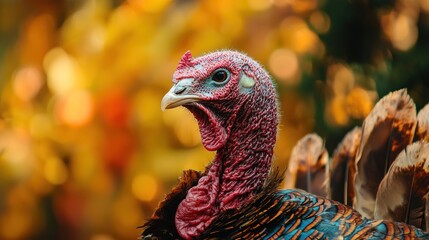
403	191
306	169
342	169
387	130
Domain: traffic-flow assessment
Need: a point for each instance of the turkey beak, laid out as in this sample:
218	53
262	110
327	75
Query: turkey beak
177	96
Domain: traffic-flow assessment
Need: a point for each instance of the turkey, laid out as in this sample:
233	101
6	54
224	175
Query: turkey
237	197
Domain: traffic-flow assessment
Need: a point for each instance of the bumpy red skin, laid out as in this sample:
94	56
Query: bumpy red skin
240	122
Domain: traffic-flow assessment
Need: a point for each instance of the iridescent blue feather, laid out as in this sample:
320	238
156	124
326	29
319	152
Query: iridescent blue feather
284	214
296	214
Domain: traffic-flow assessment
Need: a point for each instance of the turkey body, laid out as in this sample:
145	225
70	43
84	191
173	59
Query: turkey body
281	214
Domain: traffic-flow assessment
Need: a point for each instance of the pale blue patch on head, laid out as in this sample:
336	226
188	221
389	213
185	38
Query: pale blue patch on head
246	81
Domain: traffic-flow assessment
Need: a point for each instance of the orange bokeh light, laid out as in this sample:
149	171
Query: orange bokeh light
75	109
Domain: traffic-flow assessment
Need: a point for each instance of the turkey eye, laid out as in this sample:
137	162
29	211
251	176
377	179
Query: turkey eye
220	76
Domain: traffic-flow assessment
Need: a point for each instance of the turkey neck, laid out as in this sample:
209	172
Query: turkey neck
245	160
238	170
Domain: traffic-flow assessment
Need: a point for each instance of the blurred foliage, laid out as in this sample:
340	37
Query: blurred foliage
86	152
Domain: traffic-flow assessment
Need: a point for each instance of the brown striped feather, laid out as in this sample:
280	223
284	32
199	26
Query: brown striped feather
296	235
366	232
313	224
350	230
295	225
402	193
342	168
387	130
306	169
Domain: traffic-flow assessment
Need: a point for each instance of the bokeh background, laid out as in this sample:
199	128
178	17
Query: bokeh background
86	152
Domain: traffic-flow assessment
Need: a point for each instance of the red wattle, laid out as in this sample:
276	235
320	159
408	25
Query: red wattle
196	212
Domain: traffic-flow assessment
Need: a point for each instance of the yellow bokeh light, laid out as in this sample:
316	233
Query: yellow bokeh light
63	73
356	103
55	171
144	187
289	26
296	35
337	113
17	152
305	41
27	83
359	103
284	64
75	108
341	79
404	33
